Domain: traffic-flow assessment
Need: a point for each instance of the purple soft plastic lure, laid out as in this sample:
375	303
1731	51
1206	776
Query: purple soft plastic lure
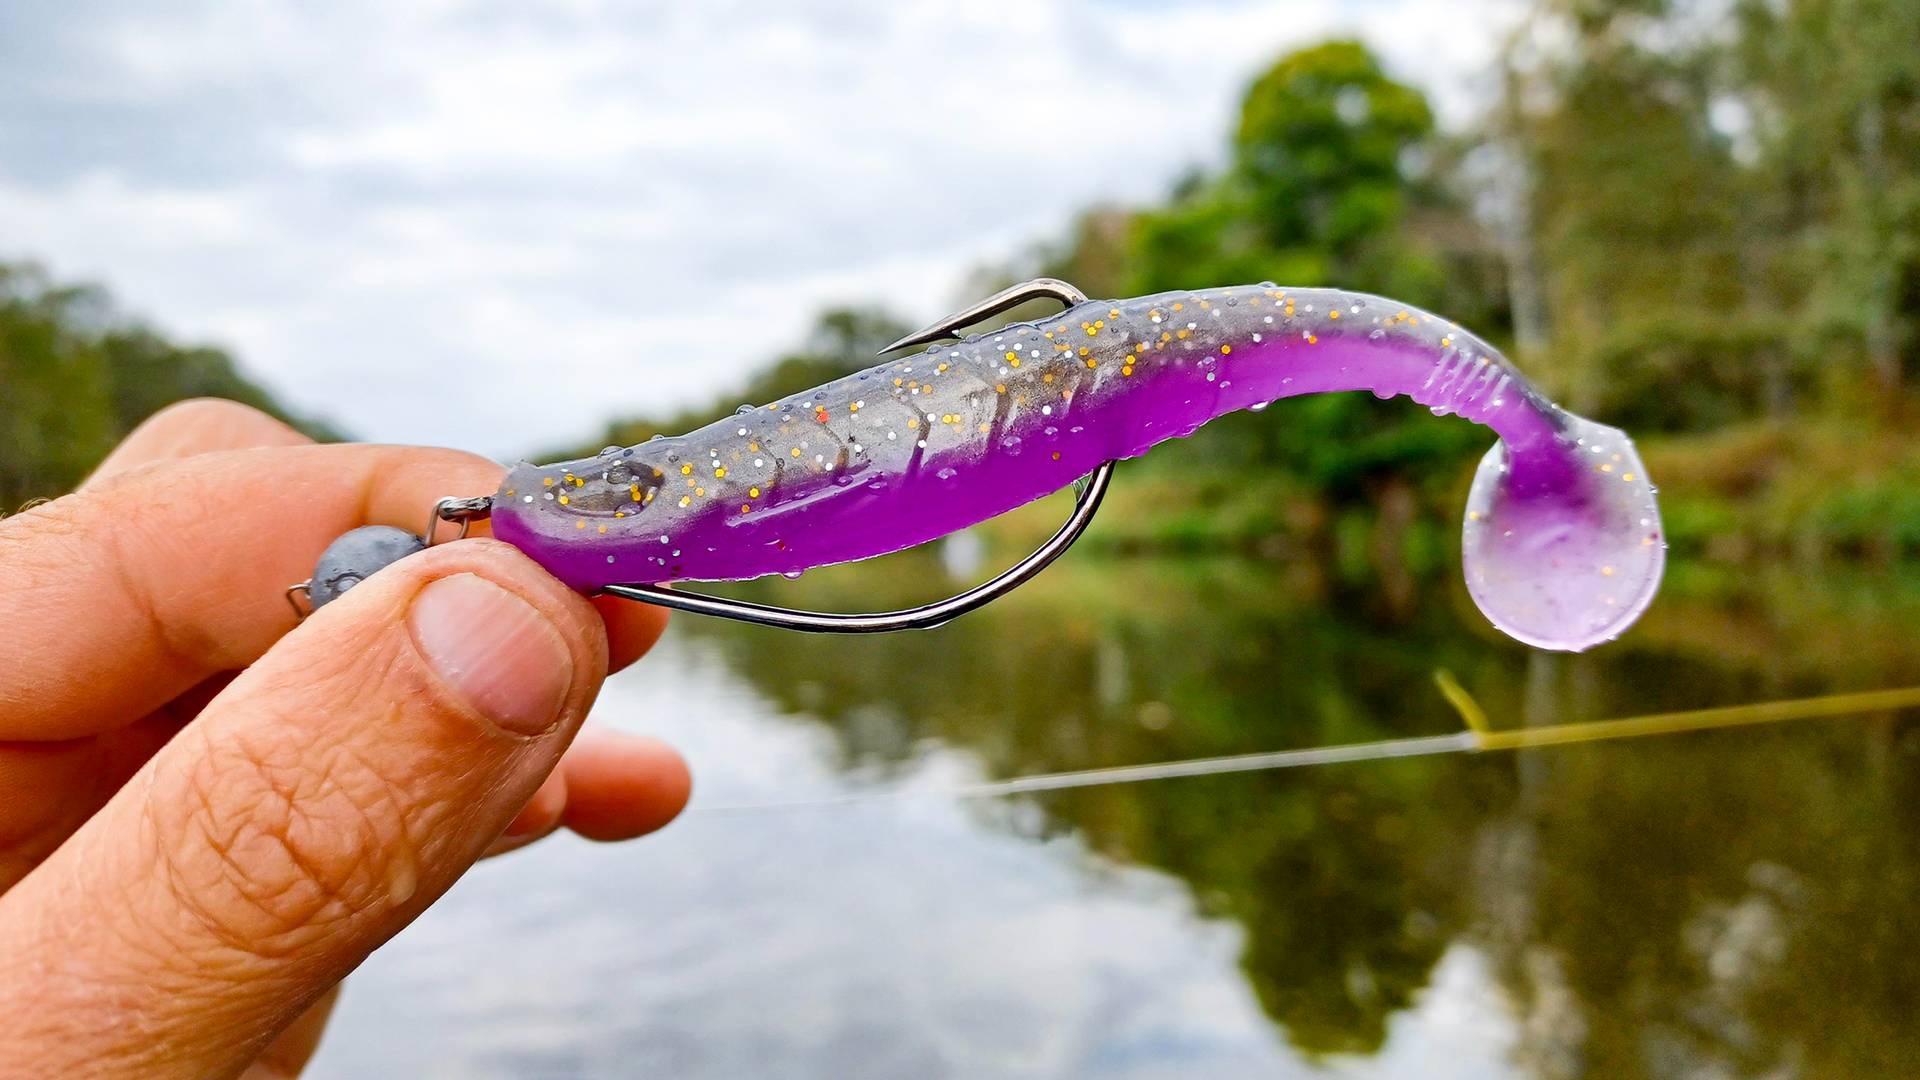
1563	547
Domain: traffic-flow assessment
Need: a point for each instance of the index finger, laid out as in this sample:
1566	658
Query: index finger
121	596
207	425
197	426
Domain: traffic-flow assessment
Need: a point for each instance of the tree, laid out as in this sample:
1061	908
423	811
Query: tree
1635	195
1321	181
1327	183
1833	89
75	376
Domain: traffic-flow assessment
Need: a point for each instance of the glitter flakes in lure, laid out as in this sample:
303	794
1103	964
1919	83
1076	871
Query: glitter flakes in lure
1562	545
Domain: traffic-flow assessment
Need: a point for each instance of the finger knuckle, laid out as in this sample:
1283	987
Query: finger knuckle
195	414
40	540
273	847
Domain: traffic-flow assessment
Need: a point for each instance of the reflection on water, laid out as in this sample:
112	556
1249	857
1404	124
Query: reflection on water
1729	904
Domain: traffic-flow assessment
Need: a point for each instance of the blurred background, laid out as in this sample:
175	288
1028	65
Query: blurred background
535	230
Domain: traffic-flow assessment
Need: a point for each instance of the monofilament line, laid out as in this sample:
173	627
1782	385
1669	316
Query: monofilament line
1479	736
1423	746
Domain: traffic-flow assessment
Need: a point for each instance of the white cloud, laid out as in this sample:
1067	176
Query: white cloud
495	227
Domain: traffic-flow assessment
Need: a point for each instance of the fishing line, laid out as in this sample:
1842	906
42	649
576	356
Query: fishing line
1478	736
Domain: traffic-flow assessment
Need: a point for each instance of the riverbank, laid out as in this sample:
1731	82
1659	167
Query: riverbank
1809	491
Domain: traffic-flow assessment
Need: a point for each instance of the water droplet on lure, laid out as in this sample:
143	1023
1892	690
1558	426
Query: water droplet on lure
655	437
1259	406
743	410
791	574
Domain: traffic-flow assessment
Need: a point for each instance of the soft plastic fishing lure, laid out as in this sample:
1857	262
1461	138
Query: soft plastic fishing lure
1562	543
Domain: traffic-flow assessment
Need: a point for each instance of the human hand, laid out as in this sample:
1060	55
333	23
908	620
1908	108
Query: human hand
208	816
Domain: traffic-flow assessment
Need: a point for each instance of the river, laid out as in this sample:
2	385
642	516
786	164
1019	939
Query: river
1728	904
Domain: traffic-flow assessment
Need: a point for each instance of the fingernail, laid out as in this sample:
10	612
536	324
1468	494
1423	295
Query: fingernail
495	650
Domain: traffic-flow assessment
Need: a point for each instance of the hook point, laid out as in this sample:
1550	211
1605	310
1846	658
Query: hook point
1009	297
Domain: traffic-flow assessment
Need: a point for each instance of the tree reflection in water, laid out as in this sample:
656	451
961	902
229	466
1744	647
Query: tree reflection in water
1738	903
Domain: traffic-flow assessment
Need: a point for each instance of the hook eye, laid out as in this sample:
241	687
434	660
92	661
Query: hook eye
464	511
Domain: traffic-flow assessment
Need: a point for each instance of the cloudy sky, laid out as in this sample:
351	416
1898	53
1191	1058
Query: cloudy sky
494	224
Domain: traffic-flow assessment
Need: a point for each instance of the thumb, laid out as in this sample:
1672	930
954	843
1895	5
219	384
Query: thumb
312	810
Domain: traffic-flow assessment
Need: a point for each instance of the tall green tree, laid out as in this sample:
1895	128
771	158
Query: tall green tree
1635	198
1833	90
1328	182
1319	185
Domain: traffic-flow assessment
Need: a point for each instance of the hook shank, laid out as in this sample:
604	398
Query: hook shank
924	617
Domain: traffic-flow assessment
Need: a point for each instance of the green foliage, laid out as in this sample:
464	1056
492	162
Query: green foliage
1758	179
1834	86
1881	517
1684	373
75	378
1318	187
1322	140
1634	195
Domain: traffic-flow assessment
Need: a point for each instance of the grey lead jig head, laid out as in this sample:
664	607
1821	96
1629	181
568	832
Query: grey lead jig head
352	559
360	553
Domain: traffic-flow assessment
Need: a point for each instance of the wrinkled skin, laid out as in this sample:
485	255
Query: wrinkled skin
209	816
